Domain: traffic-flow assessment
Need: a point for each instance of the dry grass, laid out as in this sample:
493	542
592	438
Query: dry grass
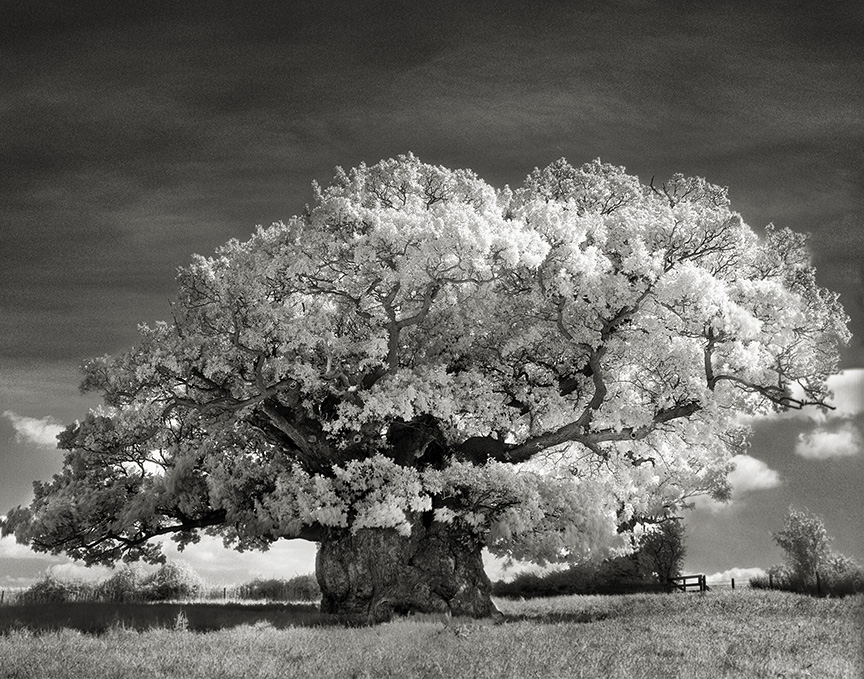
724	634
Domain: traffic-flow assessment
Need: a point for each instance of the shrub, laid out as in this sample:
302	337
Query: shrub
176	580
831	582
658	556
303	588
52	589
299	588
620	575
812	567
127	584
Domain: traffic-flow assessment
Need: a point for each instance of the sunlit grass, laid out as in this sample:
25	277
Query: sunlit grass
734	634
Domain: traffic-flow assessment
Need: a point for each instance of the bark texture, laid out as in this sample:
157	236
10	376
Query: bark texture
375	574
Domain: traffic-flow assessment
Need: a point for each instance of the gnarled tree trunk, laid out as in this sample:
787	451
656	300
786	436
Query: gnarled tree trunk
374	574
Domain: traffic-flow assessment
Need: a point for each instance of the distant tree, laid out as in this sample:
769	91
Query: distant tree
420	366
662	550
808	551
805	541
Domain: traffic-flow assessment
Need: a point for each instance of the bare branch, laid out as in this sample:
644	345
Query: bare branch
776	394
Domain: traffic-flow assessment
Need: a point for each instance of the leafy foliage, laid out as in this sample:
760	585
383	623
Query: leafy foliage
811	564
805	541
661	551
54	589
176	580
126	584
298	588
543	369
658	556
173	580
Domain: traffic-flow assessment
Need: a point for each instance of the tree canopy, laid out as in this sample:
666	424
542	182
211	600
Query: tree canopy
544	367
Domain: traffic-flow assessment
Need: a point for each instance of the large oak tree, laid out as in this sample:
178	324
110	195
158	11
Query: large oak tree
420	366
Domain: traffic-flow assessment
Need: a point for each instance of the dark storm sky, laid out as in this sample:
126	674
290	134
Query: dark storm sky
134	134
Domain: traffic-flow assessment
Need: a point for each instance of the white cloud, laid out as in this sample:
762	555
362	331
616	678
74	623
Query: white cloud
823	443
750	474
77	572
740	575
213	562
848	388
220	565
10	549
42	432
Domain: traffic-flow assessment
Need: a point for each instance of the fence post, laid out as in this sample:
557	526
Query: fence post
818	584
770	581
224	592
733	583
2	595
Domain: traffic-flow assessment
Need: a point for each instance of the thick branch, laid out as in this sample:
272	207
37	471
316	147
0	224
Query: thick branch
99	552
397	324
282	424
595	358
574	432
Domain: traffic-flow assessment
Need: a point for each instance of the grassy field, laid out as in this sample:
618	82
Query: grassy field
720	634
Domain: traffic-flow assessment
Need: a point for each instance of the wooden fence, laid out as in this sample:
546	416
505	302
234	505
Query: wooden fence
684	583
698	583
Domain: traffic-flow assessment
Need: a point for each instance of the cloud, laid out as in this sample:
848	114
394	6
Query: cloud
220	565
848	388
823	443
10	549
213	562
751	474
42	432
748	476
741	575
76	572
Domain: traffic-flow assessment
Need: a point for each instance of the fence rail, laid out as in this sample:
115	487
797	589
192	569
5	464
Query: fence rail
688	582
698	583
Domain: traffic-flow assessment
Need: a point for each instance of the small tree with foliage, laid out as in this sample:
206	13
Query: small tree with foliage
420	366
806	543
661	550
808	552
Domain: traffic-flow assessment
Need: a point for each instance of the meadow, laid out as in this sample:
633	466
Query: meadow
741	633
